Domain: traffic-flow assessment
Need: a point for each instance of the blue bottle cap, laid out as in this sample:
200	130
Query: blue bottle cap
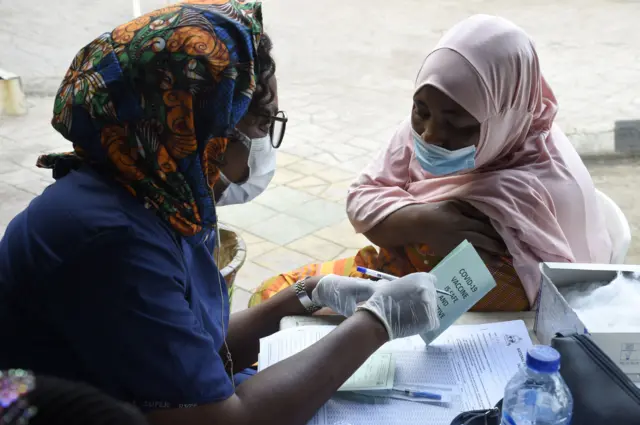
543	358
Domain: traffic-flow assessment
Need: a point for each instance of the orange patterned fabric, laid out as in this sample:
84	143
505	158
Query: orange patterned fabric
153	101
508	295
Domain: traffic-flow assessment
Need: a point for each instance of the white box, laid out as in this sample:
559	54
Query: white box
554	314
12	97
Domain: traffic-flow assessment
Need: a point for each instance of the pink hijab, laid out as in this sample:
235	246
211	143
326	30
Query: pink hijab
528	180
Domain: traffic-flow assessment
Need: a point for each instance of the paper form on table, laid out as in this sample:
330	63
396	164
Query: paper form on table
464	276
478	359
485	358
377	373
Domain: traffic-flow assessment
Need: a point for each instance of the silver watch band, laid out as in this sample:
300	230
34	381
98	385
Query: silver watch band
301	292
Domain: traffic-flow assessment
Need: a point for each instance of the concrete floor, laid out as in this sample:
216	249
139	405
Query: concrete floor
356	60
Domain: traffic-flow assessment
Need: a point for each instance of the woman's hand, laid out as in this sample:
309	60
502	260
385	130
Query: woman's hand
342	294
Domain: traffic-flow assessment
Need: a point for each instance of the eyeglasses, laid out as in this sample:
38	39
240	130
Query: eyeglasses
277	128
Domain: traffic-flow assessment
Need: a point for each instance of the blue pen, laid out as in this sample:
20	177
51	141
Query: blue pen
386	276
420	394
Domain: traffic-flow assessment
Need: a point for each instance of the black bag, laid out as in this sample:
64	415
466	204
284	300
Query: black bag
480	417
602	393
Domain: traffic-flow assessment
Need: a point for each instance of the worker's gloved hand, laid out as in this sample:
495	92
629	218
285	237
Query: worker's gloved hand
342	294
406	306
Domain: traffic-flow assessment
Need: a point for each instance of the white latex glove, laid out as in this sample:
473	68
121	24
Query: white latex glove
342	294
406	306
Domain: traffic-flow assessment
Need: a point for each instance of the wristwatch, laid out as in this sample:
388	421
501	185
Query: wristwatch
301	292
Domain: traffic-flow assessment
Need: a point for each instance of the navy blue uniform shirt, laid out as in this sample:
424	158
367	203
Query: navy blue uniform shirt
95	287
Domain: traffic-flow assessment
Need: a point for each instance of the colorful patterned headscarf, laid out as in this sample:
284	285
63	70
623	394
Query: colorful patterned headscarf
153	102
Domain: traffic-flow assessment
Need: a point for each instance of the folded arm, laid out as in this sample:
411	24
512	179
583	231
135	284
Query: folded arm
406	226
380	207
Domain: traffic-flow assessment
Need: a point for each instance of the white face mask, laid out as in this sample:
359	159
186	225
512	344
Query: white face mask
262	167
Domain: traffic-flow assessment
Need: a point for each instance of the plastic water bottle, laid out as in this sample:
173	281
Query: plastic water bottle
537	394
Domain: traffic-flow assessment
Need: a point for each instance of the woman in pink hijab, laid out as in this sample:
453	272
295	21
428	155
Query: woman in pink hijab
479	159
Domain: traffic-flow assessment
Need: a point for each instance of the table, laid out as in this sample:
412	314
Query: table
487	394
466	319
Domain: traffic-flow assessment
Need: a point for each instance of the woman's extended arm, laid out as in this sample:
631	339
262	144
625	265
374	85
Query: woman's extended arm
290	392
248	326
135	334
338	293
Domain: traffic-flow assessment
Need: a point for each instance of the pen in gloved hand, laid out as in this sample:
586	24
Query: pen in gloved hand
386	276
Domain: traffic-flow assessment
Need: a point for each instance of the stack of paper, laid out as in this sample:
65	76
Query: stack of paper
476	361
377	373
464	276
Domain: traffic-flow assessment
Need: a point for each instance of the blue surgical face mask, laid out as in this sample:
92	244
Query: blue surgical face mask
440	161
